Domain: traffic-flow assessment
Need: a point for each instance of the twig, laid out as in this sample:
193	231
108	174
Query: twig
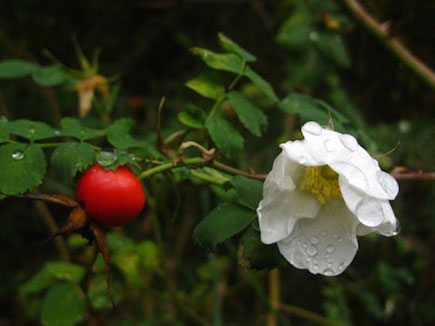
274	296
308	315
50	223
392	43
414	175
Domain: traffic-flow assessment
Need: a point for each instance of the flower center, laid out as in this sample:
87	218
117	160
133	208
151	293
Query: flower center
322	181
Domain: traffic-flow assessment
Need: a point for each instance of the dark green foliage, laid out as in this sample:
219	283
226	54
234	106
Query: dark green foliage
222	223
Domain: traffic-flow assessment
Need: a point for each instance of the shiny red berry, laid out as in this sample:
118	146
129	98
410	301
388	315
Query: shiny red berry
113	198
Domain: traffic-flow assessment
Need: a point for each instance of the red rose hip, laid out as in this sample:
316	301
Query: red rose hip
113	198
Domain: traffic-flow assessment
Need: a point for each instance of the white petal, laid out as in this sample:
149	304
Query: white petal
278	213
370	211
283	173
343	154
387	228
324	245
297	152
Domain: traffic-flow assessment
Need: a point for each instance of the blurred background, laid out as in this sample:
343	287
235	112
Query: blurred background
313	47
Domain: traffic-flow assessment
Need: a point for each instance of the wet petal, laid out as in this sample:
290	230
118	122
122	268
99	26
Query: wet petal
346	157
324	245
297	152
370	211
278	213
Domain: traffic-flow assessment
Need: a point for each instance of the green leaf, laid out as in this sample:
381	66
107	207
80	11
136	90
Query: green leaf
22	167
118	134
33	130
192	116
305	106
48	76
222	223
64	271
250	191
232	47
332	46
70	158
228	62
16	68
208	85
64	305
257	254
51	273
294	34
72	127
261	83
112	160
4	131
226	138
249	115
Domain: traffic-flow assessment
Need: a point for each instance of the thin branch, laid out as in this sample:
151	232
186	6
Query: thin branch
392	43
308	315
274	297
414	175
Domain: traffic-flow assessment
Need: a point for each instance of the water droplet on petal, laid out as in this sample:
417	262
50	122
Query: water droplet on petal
18	155
330	264
312	128
330	248
328	272
323	233
330	145
314	240
341	266
311	251
388	183
302	160
375	162
106	158
369	211
315	267
349	142
397	228
305	245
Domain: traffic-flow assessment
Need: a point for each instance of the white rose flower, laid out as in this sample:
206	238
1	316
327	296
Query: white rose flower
321	194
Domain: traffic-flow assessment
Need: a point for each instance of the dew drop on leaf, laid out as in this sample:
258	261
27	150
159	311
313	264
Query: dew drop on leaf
31	130
106	158
18	155
3	118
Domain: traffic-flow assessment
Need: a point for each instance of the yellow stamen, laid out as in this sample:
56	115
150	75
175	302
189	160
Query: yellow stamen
322	181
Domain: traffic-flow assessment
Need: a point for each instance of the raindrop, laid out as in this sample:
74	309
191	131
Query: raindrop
31	130
302	160
375	162
82	132
314	240
311	251
315	267
330	145
18	155
3	118
330	264
388	183
341	266
323	233
328	272
305	245
57	132
397	228
369	211
349	142
314	36
106	158
312	128
330	248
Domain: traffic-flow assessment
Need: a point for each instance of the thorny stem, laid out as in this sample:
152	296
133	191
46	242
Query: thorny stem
392	43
